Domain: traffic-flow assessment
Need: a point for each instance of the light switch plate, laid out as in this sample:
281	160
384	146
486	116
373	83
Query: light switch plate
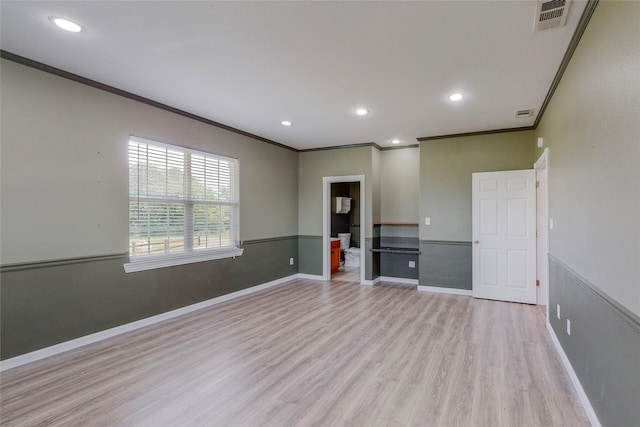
427	221
412	264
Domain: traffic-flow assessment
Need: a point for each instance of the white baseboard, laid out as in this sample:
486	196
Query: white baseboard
438	290
109	333
591	414
371	282
366	282
398	280
309	276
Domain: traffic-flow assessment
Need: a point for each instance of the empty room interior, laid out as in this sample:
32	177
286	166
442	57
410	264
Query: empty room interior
320	213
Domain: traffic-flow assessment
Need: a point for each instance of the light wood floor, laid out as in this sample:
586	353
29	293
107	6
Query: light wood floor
347	274
310	353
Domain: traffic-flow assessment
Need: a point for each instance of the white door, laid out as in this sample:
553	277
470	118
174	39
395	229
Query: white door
504	235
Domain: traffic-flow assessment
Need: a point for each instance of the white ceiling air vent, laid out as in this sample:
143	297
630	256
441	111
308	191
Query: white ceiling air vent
524	113
551	14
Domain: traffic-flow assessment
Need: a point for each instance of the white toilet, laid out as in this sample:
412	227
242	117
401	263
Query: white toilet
351	255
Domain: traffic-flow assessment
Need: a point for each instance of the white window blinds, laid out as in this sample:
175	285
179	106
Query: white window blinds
183	204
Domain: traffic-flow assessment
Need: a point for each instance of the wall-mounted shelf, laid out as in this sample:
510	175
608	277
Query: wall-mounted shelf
396	223
396	244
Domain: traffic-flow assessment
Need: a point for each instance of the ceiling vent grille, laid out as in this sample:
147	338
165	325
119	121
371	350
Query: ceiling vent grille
524	113
551	14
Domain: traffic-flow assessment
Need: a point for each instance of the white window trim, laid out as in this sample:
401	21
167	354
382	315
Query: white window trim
151	262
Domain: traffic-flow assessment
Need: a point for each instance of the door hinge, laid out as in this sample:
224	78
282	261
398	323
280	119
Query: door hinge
537	282
537	184
537	233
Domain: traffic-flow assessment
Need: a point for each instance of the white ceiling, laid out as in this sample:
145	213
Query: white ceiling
250	65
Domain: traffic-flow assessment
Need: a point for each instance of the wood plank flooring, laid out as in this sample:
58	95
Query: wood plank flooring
310	353
347	274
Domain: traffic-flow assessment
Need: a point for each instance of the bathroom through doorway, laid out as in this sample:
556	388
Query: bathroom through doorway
343	231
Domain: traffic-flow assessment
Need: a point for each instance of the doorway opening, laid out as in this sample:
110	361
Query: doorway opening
344	223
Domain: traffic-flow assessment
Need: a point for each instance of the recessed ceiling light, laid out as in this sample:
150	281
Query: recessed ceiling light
455	96
65	24
362	111
395	141
286	123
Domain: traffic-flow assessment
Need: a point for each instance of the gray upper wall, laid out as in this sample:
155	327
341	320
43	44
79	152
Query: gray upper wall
399	184
446	166
376	201
65	175
392	180
313	166
592	130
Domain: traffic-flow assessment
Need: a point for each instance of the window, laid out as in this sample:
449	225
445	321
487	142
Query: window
183	206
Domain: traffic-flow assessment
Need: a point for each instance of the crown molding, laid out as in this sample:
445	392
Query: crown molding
95	84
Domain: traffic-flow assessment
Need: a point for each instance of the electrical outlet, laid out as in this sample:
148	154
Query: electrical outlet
558	311
412	264
290	261
568	327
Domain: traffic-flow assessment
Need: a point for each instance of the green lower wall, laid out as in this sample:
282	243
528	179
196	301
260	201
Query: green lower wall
372	266
604	345
310	256
44	304
397	265
445	264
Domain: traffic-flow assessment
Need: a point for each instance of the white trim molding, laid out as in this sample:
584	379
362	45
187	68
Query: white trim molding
398	280
326	221
541	167
53	350
370	282
151	262
591	414
310	277
452	291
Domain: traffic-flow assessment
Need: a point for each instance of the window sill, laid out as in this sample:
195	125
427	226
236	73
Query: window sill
150	262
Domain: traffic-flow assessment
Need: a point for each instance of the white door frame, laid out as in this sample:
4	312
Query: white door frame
326	222
542	212
504	235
